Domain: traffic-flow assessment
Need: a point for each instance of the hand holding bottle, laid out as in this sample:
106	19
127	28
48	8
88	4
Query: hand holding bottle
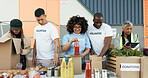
74	39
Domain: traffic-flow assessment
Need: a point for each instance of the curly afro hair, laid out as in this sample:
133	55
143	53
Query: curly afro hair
77	20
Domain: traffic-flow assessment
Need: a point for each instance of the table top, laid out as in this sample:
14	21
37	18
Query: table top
75	76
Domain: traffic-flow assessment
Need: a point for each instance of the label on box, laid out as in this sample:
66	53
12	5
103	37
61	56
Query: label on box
130	66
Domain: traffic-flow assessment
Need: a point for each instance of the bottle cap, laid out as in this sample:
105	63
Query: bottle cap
70	59
87	61
63	59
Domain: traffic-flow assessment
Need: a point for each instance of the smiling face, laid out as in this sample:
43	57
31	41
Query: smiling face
127	30
41	20
77	29
98	22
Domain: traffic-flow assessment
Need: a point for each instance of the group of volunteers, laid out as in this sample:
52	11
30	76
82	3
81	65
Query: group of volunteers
94	39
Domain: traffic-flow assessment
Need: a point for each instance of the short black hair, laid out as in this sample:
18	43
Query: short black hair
99	15
39	12
77	20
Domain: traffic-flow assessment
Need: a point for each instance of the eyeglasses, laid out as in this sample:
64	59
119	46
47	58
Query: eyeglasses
77	27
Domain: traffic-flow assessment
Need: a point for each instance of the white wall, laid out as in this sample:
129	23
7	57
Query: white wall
9	9
72	8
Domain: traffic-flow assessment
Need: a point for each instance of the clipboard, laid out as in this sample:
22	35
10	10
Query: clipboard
133	45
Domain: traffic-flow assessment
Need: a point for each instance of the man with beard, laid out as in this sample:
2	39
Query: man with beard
100	35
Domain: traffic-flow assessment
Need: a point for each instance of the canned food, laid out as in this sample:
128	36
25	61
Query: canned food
111	74
104	73
52	72
57	72
49	72
96	73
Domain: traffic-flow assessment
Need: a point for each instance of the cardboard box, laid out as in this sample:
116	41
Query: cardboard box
96	62
144	67
9	52
128	67
77	61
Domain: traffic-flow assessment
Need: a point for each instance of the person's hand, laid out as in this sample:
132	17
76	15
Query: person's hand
34	61
81	56
92	52
55	62
74	39
124	47
21	50
129	47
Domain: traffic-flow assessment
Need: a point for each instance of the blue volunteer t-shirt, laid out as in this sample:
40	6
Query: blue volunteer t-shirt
83	43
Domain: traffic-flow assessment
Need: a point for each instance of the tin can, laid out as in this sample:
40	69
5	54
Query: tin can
104	73
96	73
52	71
57	72
112	76
114	73
49	72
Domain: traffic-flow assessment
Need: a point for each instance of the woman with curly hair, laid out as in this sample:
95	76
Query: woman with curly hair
77	27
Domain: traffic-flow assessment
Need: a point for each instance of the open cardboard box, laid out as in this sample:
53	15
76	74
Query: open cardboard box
9	52
77	61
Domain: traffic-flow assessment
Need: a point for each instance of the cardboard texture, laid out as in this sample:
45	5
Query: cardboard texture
144	67
17	45
9	53
127	74
96	62
77	61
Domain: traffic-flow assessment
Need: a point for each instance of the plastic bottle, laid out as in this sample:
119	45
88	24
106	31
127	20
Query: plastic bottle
70	69
87	70
63	68
76	46
67	71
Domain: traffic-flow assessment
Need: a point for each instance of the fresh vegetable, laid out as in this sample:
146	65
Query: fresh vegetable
125	52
